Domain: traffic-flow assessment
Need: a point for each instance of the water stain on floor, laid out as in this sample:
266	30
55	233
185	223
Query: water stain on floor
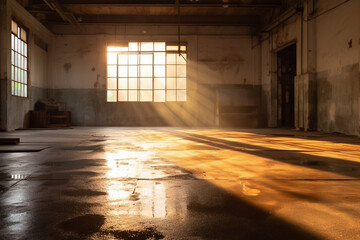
97	140
55	182
86	224
94	148
134	196
64	175
75	164
4	176
148	233
83	193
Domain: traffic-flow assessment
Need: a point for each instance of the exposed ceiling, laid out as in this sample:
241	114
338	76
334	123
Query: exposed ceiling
183	12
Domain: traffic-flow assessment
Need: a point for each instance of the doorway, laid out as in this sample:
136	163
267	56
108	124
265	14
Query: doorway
286	72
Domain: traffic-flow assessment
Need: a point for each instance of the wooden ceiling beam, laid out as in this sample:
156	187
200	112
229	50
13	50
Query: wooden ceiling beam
182	5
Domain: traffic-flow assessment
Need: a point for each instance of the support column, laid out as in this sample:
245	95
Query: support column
4	61
305	83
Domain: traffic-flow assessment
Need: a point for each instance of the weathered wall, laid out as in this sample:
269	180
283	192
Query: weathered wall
277	37
38	75
266	94
327	36
337	64
4	55
215	56
14	110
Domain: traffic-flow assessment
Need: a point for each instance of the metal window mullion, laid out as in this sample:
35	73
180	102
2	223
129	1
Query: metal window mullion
117	76
186	84
26	70
165	74
16	53
21	70
153	74
127	77
15	67
138	78
176	79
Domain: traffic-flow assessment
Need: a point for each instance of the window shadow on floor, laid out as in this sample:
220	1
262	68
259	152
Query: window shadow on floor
334	165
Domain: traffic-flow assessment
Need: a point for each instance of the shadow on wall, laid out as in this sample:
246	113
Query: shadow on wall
26	122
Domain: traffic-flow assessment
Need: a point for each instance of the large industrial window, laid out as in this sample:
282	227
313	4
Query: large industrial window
146	72
19	64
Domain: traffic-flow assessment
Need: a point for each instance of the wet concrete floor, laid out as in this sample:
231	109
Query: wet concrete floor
180	183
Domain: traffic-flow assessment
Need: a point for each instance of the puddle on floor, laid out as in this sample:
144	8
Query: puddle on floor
148	233
7	176
91	224
86	224
64	175
179	177
247	190
134	196
97	140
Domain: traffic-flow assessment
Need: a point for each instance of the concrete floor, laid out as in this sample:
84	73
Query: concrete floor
180	183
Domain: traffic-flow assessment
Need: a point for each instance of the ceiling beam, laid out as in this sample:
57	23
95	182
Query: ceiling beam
245	20
182	5
56	6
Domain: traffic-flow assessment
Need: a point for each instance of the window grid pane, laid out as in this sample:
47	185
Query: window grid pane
19	67
143	71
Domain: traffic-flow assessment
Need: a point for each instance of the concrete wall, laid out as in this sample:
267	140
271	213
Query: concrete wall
15	110
38	74
277	37
327	35
215	56
73	70
337	65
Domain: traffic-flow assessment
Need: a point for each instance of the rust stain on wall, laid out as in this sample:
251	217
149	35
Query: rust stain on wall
67	66
83	51
97	82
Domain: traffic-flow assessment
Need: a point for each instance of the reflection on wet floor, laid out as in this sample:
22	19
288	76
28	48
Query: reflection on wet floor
18	176
170	183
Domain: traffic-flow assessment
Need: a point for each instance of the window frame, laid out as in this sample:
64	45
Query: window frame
154	89
19	60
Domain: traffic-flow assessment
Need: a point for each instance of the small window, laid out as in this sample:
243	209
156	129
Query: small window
19	61
146	72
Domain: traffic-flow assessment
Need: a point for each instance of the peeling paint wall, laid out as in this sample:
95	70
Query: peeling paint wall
78	74
337	64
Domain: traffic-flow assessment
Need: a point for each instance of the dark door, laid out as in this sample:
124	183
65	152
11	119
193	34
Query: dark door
286	62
